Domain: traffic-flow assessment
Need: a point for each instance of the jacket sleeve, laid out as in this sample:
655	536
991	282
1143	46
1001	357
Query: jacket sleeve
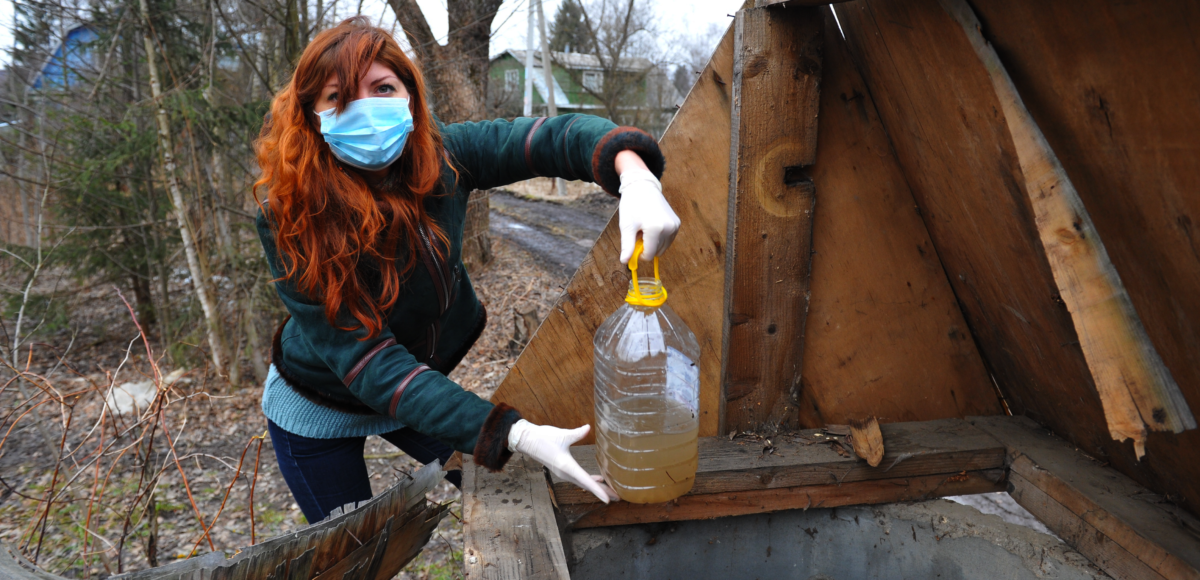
577	147
385	376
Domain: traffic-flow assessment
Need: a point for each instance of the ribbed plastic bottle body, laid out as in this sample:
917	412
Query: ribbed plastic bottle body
647	403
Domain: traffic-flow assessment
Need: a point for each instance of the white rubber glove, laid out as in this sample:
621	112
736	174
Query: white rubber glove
644	209
548	445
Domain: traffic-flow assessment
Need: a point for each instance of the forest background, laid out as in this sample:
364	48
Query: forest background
136	309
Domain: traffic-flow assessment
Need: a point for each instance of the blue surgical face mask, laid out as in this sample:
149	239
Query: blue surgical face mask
370	134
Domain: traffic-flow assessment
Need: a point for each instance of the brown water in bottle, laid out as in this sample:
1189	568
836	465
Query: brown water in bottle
643	462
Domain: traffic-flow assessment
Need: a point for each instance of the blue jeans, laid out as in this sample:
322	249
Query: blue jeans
327	473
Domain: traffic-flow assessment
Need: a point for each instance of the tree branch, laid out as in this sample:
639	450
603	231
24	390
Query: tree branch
413	21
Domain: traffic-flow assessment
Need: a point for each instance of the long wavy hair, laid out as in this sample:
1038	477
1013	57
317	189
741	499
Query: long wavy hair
328	222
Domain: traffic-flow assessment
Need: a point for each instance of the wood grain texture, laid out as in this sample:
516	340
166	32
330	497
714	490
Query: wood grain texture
552	381
1077	533
867	440
1164	537
509	527
708	506
937	102
776	90
1136	389
1105	83
383	556
945	446
885	336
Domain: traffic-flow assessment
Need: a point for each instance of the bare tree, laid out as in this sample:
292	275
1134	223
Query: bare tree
457	73
627	60
212	316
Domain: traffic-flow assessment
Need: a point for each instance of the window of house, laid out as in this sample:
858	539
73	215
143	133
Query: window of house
512	80
593	81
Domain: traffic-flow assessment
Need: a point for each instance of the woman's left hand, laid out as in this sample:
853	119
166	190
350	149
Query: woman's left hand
550	446
644	209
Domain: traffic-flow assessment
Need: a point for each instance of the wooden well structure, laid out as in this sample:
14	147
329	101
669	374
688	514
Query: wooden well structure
975	220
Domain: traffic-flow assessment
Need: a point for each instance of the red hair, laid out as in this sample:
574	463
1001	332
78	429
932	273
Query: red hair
327	221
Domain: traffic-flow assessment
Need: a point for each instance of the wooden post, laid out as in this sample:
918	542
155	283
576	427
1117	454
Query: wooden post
776	84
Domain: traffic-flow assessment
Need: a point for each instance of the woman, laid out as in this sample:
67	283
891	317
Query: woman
362	229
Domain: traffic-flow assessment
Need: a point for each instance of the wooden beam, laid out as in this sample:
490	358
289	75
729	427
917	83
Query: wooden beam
552	381
1135	387
509	527
708	506
913	450
1100	79
1124	528
776	90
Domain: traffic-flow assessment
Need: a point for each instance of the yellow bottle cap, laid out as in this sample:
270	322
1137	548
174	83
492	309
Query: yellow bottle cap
635	296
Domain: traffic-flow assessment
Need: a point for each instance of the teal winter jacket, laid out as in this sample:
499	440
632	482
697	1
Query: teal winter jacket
401	372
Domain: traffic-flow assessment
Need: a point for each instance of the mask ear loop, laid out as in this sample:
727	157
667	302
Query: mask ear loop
635	296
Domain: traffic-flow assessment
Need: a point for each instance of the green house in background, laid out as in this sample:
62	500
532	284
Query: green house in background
638	92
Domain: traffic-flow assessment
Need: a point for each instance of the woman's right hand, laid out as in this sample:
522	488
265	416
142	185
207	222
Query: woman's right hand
549	446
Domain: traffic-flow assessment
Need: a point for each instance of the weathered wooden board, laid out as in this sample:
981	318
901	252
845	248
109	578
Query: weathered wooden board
1110	85
945	446
1136	390
1101	512
768	258
551	382
885	336
939	107
383	556
1077	533
509	528
708	506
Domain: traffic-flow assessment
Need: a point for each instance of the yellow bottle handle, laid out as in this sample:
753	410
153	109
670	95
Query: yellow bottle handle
635	296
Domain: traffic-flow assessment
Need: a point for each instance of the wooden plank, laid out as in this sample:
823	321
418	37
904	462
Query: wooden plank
885	335
913	449
552	382
1136	389
1097	547
937	102
776	90
1164	537
1103	82
509	528
707	506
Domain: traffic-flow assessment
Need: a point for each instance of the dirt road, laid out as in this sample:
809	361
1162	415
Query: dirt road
557	235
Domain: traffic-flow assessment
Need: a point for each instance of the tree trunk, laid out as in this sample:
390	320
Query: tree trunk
199	283
455	74
456	77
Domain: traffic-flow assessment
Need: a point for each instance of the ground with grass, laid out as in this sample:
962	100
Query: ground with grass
88	492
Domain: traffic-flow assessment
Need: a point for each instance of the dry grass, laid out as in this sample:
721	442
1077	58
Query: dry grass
118	492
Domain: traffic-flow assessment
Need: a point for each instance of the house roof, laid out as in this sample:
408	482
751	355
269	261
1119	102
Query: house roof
578	61
62	66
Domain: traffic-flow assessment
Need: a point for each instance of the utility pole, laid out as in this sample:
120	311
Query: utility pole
528	112
560	184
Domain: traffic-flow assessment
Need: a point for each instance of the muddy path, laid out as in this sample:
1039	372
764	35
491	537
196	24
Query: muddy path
557	235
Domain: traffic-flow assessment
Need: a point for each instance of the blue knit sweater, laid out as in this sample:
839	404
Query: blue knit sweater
297	415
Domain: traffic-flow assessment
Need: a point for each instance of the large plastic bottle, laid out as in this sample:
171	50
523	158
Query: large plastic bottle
647	395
